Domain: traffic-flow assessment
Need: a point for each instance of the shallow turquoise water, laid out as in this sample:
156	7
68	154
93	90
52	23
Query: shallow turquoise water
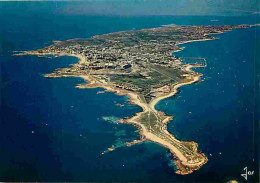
51	131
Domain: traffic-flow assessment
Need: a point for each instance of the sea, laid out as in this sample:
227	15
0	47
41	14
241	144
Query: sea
52	131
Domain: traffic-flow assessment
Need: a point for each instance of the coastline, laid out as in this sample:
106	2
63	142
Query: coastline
192	115
183	164
176	87
181	160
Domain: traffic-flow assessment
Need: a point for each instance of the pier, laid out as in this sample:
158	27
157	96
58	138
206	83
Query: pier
203	63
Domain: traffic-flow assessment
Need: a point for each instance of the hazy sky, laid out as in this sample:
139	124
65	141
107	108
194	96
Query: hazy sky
161	7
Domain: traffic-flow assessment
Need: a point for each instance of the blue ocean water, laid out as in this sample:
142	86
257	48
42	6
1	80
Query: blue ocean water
51	131
218	113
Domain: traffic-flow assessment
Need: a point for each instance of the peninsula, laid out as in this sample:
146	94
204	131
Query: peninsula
140	64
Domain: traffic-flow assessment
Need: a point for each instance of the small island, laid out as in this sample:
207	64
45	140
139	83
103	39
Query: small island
140	64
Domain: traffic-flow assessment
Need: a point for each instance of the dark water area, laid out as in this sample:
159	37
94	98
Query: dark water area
52	131
219	113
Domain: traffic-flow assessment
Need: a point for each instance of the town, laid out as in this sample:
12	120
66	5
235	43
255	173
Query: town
139	61
141	64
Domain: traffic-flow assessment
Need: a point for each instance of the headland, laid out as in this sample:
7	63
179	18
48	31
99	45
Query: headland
140	64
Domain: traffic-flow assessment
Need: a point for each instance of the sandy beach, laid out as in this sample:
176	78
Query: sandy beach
135	99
